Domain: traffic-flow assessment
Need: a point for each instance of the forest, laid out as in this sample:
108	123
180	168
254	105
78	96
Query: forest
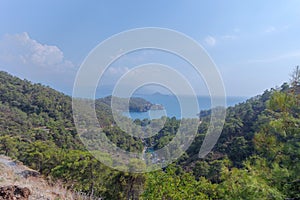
256	157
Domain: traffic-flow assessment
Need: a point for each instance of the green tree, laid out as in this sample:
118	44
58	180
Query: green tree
8	146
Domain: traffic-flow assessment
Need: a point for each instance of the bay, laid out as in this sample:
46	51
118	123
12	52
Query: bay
172	107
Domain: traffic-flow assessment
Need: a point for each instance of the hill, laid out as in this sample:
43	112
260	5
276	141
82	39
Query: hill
256	157
136	104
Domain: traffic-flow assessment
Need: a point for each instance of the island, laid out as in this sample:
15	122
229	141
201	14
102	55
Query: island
136	104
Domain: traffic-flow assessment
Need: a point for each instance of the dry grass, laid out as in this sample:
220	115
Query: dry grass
38	186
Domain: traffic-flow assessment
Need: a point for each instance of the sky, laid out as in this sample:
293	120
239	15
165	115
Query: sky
254	44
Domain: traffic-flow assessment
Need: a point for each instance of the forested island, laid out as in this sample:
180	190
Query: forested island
256	157
136	104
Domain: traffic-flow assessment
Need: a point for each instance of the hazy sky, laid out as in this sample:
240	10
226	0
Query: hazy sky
255	44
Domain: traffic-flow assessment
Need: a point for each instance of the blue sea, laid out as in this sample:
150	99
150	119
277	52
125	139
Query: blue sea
172	107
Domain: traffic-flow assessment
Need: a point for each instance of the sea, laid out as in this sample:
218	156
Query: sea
172	107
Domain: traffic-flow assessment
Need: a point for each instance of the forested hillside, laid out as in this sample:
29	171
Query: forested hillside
256	157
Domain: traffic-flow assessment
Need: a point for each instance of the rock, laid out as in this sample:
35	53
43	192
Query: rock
29	173
14	192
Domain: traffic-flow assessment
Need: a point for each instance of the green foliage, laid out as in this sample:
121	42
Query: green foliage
8	146
83	172
134	104
256	157
169	185
242	184
278	142
36	127
126	186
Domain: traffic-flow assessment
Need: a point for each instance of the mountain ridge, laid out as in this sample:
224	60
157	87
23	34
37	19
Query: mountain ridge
255	157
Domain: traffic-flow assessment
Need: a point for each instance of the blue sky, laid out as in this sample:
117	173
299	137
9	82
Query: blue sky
255	44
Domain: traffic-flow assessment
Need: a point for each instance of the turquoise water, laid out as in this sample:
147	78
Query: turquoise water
172	107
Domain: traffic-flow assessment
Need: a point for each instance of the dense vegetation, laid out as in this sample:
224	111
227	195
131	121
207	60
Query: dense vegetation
136	104
256	157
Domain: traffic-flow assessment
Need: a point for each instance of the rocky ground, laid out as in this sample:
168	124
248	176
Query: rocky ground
18	182
13	192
